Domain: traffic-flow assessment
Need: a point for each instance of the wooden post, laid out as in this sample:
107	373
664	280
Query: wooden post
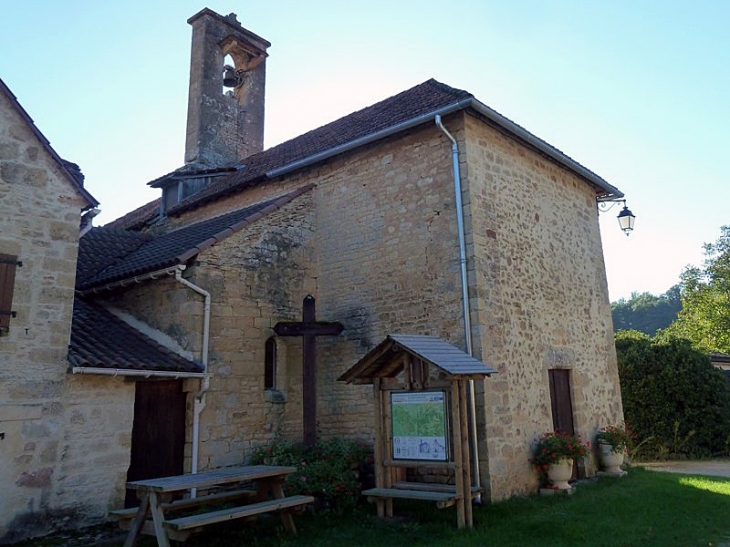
388	449
465	452
379	445
309	328
458	454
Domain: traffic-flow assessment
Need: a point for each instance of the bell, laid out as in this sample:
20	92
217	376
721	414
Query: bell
230	78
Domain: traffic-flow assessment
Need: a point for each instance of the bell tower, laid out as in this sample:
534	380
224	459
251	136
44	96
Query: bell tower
225	124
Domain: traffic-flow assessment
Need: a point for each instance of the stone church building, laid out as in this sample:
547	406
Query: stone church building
147	346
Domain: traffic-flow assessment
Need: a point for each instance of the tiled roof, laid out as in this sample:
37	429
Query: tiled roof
101	340
407	109
422	99
134	220
71	175
385	359
99	248
157	253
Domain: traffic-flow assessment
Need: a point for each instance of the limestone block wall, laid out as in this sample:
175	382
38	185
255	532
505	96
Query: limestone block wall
53	432
256	277
541	300
384	259
387	250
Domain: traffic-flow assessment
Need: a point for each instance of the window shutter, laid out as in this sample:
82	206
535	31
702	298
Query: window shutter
8	263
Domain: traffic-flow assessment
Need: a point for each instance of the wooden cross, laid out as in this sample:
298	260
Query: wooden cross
309	328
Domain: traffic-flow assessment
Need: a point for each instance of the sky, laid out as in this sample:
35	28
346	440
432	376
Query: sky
635	90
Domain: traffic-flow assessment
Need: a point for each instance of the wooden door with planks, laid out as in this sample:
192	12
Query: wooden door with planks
158	432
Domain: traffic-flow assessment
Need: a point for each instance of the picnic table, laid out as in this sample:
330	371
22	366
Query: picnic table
156	512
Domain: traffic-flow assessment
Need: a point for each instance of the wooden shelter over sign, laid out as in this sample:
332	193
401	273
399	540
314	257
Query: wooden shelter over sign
421	419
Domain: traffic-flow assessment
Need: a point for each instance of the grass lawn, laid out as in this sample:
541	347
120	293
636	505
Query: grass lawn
644	508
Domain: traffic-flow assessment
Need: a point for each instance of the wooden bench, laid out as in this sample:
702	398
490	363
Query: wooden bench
153	516
271	506
443	494
200	501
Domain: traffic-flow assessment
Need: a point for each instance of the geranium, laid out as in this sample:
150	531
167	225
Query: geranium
619	437
555	446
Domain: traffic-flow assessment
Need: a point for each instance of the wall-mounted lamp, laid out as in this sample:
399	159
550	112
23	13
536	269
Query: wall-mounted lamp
625	218
232	77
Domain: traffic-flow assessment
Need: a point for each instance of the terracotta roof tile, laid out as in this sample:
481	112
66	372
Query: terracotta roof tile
115	250
404	106
101	340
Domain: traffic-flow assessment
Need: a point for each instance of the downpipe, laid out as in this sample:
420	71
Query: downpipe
199	401
464	301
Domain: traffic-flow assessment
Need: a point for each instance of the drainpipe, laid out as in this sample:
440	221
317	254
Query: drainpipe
199	401
464	298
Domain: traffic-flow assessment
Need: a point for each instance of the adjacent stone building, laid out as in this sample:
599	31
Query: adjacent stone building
362	214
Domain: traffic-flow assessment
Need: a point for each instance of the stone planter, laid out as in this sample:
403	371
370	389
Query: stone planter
559	474
610	459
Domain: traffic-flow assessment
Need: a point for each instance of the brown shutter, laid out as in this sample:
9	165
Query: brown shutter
8	264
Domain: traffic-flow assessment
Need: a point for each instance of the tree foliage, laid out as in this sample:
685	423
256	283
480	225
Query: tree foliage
645	312
674	400
705	315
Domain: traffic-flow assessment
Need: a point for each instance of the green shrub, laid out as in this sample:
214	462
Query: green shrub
675	401
332	471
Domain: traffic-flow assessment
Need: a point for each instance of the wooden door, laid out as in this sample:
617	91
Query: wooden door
158	432
561	404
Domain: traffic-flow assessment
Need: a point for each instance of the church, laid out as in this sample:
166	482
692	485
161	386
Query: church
175	338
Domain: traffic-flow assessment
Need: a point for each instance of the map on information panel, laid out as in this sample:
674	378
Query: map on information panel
419	425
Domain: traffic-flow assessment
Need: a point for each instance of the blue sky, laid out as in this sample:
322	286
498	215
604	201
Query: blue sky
637	91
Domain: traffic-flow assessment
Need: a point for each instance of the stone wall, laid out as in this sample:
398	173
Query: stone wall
60	449
381	256
541	300
387	249
256	277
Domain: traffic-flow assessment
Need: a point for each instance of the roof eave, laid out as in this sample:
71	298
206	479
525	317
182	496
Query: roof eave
608	191
367	139
521	134
144	373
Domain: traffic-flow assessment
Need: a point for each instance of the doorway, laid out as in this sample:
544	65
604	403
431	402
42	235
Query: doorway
158	432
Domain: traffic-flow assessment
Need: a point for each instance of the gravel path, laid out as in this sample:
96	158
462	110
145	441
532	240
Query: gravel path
716	468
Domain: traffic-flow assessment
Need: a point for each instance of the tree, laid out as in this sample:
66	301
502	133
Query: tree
645	312
705	315
674	400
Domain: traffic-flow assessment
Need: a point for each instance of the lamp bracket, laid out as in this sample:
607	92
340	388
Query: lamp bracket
605	205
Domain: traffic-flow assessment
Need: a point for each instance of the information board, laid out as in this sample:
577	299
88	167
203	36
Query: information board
419	425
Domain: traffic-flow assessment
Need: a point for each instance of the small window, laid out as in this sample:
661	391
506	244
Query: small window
8	263
270	364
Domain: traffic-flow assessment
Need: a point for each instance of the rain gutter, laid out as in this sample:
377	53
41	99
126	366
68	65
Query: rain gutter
138	373
504	124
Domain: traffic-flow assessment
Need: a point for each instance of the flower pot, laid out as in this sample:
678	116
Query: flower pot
559	474
610	459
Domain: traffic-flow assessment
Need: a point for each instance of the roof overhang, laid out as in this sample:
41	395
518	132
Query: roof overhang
137	373
604	190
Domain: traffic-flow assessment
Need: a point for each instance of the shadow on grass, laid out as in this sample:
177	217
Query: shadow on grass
646	508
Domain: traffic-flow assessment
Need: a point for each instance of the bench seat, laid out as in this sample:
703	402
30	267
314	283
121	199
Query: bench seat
209	499
442	495
202	519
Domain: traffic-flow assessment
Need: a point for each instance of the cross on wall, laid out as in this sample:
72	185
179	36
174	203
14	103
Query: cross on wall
309	329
